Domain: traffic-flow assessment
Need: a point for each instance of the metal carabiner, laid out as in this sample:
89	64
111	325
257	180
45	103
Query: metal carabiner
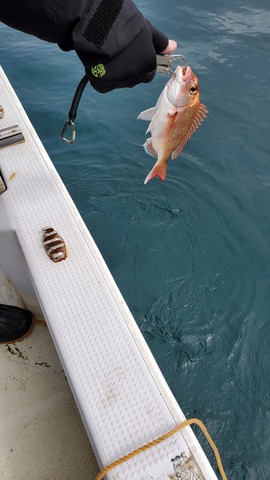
73	132
164	62
73	111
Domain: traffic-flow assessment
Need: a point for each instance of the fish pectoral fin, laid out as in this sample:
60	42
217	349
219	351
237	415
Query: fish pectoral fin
200	115
150	115
173	111
180	147
152	124
148	147
147	114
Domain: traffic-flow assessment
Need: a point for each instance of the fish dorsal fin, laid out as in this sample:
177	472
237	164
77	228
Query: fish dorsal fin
203	110
201	114
147	114
148	147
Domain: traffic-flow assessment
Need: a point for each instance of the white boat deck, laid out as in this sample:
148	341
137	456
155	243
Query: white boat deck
122	397
42	435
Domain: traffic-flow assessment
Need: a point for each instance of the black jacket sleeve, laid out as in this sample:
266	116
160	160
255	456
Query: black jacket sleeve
116	44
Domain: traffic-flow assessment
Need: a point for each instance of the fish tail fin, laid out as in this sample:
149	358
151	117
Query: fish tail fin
159	170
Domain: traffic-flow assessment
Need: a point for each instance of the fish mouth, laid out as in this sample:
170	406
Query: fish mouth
182	73
185	71
176	91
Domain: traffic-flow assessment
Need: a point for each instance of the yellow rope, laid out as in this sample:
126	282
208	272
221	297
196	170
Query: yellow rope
161	439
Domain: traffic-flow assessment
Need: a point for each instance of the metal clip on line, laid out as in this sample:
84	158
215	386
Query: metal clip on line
73	112
164	62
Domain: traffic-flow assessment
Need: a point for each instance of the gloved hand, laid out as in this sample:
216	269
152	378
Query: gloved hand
118	46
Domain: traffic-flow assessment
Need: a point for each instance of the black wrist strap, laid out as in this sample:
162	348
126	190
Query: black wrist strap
100	24
73	112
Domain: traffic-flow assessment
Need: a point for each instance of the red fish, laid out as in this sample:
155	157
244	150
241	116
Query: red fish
176	116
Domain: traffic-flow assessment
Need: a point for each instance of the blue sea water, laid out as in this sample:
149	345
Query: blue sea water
190	255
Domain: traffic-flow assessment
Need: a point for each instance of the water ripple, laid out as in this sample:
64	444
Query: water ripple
249	21
210	285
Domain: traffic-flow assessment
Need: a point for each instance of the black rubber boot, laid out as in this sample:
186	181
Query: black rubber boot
14	322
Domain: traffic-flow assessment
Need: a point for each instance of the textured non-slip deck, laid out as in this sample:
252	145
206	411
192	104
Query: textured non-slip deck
122	397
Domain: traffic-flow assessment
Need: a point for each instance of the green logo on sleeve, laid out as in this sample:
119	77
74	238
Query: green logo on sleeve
98	70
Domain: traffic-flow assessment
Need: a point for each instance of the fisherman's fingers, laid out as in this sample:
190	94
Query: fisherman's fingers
172	45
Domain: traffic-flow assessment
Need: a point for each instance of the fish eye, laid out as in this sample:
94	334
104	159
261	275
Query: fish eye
193	89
